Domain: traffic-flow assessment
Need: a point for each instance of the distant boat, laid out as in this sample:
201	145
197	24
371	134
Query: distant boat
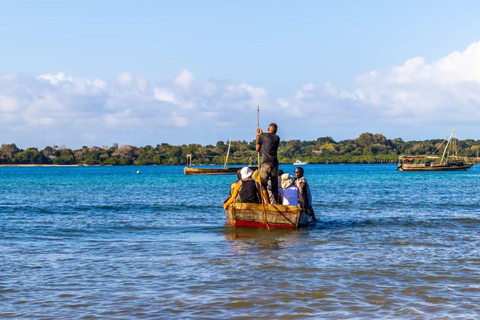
188	170
299	163
273	216
195	171
449	161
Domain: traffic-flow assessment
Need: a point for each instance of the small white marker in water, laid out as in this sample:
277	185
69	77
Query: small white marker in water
138	171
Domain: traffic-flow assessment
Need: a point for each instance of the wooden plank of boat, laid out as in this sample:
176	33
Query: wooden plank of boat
278	216
435	167
192	171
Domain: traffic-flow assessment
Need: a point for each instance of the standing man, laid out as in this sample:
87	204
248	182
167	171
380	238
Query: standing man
267	144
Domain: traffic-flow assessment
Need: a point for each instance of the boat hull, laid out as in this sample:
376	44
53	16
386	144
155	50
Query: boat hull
206	171
252	215
416	167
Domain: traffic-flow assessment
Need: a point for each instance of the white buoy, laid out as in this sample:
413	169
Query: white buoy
138	171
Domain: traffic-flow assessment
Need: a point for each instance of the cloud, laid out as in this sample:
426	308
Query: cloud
162	94
417	99
55	79
184	79
8	104
414	99
124	79
55	109
421	92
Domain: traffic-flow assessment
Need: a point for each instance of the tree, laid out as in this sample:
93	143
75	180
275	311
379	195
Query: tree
29	156
365	139
8	152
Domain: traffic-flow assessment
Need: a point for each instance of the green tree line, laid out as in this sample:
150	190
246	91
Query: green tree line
367	148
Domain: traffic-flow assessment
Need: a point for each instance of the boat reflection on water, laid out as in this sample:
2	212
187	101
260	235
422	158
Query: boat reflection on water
246	239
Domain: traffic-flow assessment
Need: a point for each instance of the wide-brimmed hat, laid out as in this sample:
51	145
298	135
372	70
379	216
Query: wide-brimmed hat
246	172
286	180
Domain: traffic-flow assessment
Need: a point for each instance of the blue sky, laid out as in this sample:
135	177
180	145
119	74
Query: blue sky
145	72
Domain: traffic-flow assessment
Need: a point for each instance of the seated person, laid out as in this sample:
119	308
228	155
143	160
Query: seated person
288	192
250	190
246	190
239	177
305	193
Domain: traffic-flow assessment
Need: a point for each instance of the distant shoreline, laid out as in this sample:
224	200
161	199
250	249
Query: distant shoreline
155	165
43	165
368	148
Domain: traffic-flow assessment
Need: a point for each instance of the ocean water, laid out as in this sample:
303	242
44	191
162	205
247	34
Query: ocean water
107	243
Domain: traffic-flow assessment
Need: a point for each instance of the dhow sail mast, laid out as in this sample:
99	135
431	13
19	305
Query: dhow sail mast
448	143
228	153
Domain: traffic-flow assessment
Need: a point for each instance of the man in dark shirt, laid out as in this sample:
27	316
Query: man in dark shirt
246	190
249	191
267	144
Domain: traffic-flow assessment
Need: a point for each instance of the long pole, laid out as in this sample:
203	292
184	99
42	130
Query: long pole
258	127
261	191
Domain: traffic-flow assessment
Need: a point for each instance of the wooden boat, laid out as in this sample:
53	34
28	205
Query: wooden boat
277	216
428	163
447	162
232	170
188	170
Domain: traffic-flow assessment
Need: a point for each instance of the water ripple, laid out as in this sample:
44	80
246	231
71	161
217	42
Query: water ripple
97	243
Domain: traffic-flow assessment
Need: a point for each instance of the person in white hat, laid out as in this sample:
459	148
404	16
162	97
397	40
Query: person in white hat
247	190
250	190
288	192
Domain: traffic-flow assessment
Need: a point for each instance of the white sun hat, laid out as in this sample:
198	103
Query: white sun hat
246	172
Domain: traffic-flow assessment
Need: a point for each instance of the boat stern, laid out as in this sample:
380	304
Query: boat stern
253	215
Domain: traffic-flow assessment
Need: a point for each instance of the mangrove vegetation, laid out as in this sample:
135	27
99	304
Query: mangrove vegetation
367	148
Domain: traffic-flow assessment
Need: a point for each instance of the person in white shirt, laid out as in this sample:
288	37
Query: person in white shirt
288	192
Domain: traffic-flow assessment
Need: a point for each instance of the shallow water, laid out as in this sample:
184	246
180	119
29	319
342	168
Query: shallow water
105	242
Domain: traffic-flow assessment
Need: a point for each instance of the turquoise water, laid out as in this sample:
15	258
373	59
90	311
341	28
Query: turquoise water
105	242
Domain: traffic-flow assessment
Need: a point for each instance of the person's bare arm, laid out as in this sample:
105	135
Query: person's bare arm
259	132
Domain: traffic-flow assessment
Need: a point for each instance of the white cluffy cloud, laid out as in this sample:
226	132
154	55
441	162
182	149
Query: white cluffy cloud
412	100
55	109
417	100
447	89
